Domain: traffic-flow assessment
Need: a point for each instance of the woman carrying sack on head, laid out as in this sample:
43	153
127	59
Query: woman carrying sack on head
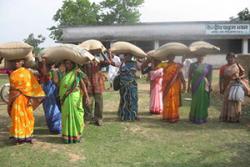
71	91
128	108
172	84
199	82
25	96
51	104
231	74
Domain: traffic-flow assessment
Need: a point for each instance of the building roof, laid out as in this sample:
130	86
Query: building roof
159	31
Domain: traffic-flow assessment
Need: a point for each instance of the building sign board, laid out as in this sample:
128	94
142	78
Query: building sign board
228	29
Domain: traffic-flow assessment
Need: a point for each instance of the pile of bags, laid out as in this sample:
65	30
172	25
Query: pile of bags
122	47
71	52
17	50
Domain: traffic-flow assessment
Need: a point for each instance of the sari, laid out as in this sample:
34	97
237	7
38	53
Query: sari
128	107
171	92
231	110
156	103
51	106
25	96
71	106
200	76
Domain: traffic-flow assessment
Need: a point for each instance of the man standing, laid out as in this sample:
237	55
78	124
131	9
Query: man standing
95	88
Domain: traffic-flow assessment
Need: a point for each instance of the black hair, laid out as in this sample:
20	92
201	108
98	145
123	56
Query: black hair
231	54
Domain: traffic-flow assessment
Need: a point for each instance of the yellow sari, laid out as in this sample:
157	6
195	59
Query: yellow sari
171	92
25	96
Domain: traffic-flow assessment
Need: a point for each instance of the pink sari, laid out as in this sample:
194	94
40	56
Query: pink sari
156	99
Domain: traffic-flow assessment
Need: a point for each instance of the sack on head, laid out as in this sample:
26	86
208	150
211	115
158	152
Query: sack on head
15	50
122	47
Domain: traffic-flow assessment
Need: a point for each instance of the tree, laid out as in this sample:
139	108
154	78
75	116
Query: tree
74	12
83	12
244	15
120	11
35	42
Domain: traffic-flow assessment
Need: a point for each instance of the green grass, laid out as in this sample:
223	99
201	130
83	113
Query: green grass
149	142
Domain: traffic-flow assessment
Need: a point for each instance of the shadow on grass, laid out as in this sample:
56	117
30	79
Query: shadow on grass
148	120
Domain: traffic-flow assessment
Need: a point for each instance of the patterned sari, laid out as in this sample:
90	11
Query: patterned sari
156	103
171	92
231	109
200	76
25	96
51	106
128	107
71	106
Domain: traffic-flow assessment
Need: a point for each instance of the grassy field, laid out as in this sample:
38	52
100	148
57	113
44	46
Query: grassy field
149	142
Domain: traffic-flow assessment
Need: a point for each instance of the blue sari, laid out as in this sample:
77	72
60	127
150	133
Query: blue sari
128	107
52	108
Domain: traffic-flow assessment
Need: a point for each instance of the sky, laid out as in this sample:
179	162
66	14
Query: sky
19	18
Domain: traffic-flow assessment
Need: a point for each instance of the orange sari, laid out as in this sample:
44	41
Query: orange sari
171	92
25	96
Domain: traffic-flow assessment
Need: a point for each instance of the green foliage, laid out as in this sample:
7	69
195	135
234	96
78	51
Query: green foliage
83	12
244	15
120	11
35	42
74	12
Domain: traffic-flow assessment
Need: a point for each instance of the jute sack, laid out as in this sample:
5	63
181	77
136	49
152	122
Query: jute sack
171	48
126	47
93	45
203	48
67	52
29	62
14	50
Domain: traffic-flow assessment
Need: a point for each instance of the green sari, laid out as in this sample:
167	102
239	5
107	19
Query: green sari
200	77
71	106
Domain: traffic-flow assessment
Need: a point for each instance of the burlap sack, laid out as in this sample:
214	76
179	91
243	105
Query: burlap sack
93	45
67	52
14	50
29	61
171	48
201	48
126	47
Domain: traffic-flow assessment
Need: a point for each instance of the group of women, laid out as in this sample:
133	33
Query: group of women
167	81
64	94
61	93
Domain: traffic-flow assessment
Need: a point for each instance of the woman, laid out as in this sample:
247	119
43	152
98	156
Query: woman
230	74
199	81
155	75
25	96
172	81
128	108
70	91
51	105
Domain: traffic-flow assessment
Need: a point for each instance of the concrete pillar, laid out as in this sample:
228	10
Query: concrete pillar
244	45
156	44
